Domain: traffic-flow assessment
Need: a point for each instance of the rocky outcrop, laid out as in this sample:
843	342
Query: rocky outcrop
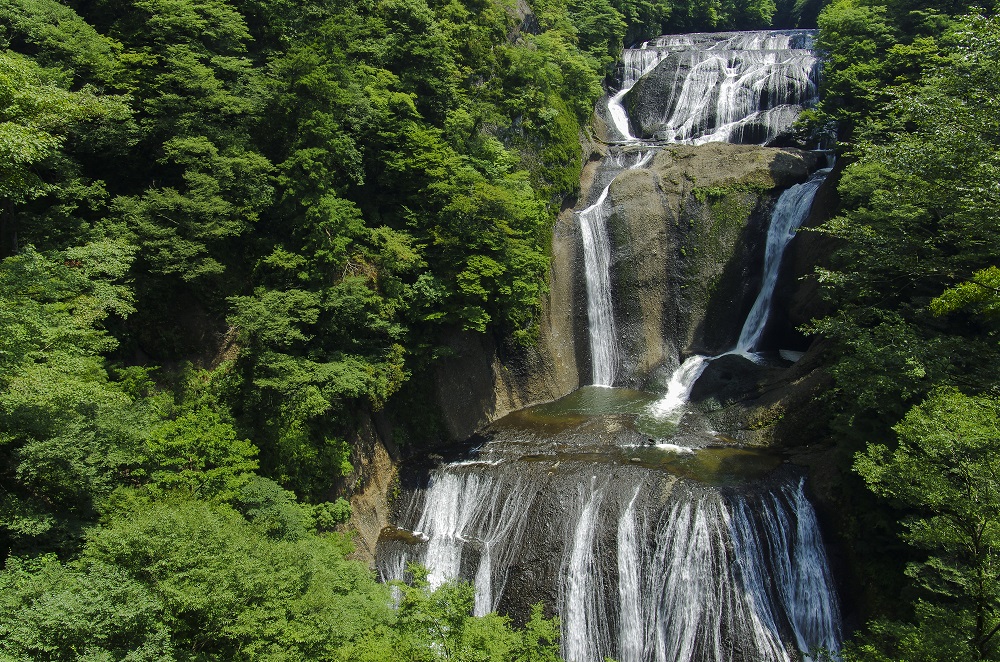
370	486
688	236
524	20
773	402
688	232
484	380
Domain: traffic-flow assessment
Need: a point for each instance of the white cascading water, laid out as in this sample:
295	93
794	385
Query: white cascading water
631	632
467	506
729	87
671	405
581	600
709	576
600	312
722	83
597	273
642	566
789	213
635	63
800	570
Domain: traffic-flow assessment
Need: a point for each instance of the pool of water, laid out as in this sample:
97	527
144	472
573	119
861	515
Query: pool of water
612	426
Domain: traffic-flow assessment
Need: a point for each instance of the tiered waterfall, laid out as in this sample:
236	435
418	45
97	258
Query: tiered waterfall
648	550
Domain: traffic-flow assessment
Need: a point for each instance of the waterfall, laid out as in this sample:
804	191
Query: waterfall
790	211
465	509
711	575
581	606
670	406
600	304
646	553
635	63
731	87
719	86
597	273
632	634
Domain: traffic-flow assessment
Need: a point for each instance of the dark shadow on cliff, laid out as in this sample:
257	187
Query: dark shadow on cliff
737	287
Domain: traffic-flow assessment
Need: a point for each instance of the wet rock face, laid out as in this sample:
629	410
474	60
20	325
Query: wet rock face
730	379
740	88
688	237
654	97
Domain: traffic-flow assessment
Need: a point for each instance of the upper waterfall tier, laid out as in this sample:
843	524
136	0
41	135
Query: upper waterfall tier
739	87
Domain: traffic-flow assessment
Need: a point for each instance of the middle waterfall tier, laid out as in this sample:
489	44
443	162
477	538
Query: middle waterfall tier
597	247
735	87
789	213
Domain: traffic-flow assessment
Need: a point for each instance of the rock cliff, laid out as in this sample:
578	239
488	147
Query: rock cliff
688	236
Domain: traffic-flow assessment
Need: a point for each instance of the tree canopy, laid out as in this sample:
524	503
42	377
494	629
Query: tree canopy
229	230
913	87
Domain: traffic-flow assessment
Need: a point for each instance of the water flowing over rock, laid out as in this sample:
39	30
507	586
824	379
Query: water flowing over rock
790	211
734	87
737	87
688	234
623	511
641	565
597	273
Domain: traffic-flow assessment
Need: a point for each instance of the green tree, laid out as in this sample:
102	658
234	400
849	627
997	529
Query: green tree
437	625
229	590
918	218
979	296
600	28
945	470
53	612
186	231
69	435
59	38
200	453
39	187
643	19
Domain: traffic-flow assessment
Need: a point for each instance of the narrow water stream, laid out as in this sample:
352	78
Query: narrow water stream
597	274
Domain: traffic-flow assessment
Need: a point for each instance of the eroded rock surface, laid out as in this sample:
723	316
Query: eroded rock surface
688	236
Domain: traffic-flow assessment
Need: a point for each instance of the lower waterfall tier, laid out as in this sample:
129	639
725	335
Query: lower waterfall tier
646	553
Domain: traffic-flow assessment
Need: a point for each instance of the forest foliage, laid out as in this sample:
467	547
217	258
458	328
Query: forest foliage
231	230
912	89
228	230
